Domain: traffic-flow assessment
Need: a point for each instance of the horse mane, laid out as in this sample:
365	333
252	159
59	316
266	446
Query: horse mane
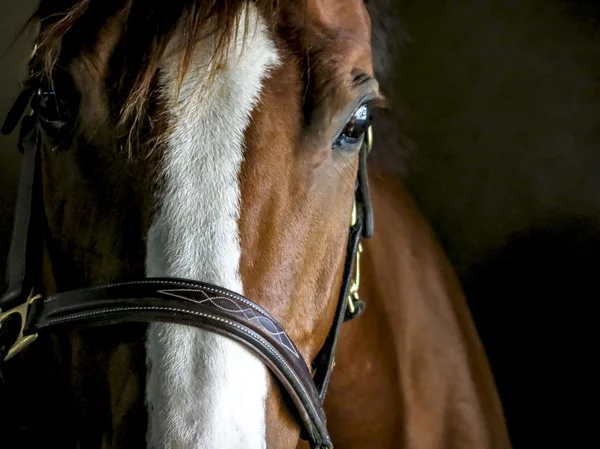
70	28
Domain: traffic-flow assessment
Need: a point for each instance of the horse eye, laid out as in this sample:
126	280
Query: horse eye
356	127
359	123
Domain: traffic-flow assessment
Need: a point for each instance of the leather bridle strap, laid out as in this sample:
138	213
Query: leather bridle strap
325	360
25	255
214	309
195	304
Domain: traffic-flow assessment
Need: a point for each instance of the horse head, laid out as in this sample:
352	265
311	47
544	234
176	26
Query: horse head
211	141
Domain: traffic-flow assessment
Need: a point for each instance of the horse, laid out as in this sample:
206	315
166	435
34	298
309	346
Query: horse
221	147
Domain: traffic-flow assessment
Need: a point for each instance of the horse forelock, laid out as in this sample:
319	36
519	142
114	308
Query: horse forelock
142	35
205	391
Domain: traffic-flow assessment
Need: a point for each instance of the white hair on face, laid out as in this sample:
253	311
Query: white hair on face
204	390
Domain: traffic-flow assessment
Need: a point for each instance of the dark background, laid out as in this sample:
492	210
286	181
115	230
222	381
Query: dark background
502	105
13	66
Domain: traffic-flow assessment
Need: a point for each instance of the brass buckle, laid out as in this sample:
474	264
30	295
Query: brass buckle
355	282
22	340
369	139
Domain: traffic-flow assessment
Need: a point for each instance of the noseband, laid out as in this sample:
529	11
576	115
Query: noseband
169	300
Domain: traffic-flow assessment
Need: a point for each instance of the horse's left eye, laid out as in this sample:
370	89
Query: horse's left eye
356	127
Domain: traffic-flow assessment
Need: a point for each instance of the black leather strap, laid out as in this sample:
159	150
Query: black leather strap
25	255
196	304
364	192
324	361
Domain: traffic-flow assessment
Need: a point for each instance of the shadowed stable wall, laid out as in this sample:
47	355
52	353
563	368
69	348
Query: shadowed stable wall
503	104
13	67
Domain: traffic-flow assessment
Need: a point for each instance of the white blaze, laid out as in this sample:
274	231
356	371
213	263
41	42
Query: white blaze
205	391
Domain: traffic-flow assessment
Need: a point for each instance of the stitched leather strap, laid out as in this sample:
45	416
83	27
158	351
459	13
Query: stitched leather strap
196	304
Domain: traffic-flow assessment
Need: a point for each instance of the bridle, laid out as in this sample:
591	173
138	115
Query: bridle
188	302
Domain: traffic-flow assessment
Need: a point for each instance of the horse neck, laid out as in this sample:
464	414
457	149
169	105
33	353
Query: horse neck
414	357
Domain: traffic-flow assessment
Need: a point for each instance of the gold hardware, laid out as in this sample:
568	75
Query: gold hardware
369	139
355	283
22	340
